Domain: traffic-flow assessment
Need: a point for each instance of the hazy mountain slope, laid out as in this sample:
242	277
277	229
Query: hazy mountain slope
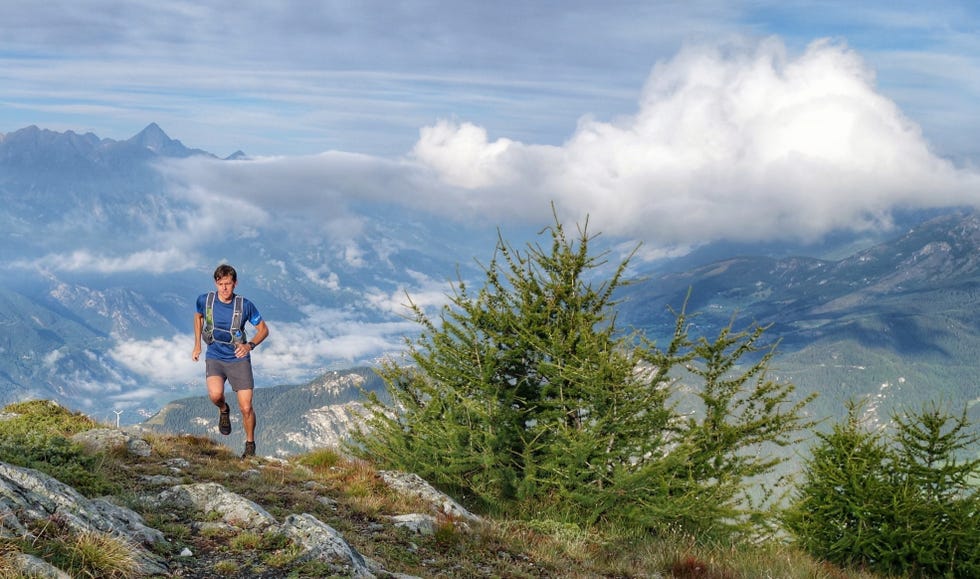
290	419
69	203
896	321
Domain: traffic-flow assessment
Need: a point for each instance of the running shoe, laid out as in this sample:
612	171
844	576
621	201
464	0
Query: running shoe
224	420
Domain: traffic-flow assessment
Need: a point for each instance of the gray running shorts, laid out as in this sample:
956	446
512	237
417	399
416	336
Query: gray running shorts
238	374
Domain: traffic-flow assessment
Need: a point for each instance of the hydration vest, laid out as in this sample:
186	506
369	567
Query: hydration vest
236	333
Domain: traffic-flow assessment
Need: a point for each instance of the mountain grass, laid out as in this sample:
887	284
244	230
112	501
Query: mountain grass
349	495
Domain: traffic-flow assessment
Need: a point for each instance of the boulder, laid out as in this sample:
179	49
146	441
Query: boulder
105	439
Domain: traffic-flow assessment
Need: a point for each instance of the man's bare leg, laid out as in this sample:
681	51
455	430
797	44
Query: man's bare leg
248	414
216	391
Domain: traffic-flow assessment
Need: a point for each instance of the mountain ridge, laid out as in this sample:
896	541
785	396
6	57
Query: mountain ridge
904	303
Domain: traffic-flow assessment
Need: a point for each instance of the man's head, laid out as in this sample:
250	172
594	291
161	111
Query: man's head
225	270
225	279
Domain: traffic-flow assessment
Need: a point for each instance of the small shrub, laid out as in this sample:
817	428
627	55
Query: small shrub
37	438
282	557
246	540
272	541
320	459
446	533
95	554
899	503
214	532
44	417
226	567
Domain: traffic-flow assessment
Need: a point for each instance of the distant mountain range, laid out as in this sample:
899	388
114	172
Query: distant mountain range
74	208
896	322
892	318
291	419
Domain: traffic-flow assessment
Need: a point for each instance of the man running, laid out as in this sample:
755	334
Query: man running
228	356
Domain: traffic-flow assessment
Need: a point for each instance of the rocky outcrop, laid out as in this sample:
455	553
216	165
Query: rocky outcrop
29	499
232	509
320	541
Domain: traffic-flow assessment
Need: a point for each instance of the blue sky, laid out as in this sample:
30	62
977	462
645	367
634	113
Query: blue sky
674	122
303	77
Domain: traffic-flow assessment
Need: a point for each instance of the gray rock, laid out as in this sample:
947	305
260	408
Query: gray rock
161	480
103	439
322	542
414	485
177	464
30	496
416	523
233	509
31	566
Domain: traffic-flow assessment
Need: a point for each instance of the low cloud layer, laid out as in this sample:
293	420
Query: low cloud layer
87	260
741	142
293	352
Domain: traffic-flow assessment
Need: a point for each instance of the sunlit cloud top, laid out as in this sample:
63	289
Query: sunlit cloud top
740	141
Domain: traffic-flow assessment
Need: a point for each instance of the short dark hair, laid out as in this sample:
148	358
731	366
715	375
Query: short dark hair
224	270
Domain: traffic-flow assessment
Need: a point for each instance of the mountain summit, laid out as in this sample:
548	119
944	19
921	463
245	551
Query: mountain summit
154	139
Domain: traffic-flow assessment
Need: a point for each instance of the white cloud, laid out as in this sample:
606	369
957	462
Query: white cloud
294	351
427	294
85	260
321	276
159	360
52	358
132	396
463	156
737	142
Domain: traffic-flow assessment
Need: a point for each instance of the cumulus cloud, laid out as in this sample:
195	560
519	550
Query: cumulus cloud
427	294
742	142
737	142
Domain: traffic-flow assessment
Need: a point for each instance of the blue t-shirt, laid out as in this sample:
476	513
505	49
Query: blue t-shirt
223	313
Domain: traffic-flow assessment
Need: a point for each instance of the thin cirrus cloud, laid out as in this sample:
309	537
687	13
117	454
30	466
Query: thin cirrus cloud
301	77
155	261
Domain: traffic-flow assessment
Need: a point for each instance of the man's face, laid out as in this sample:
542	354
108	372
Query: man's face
226	286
